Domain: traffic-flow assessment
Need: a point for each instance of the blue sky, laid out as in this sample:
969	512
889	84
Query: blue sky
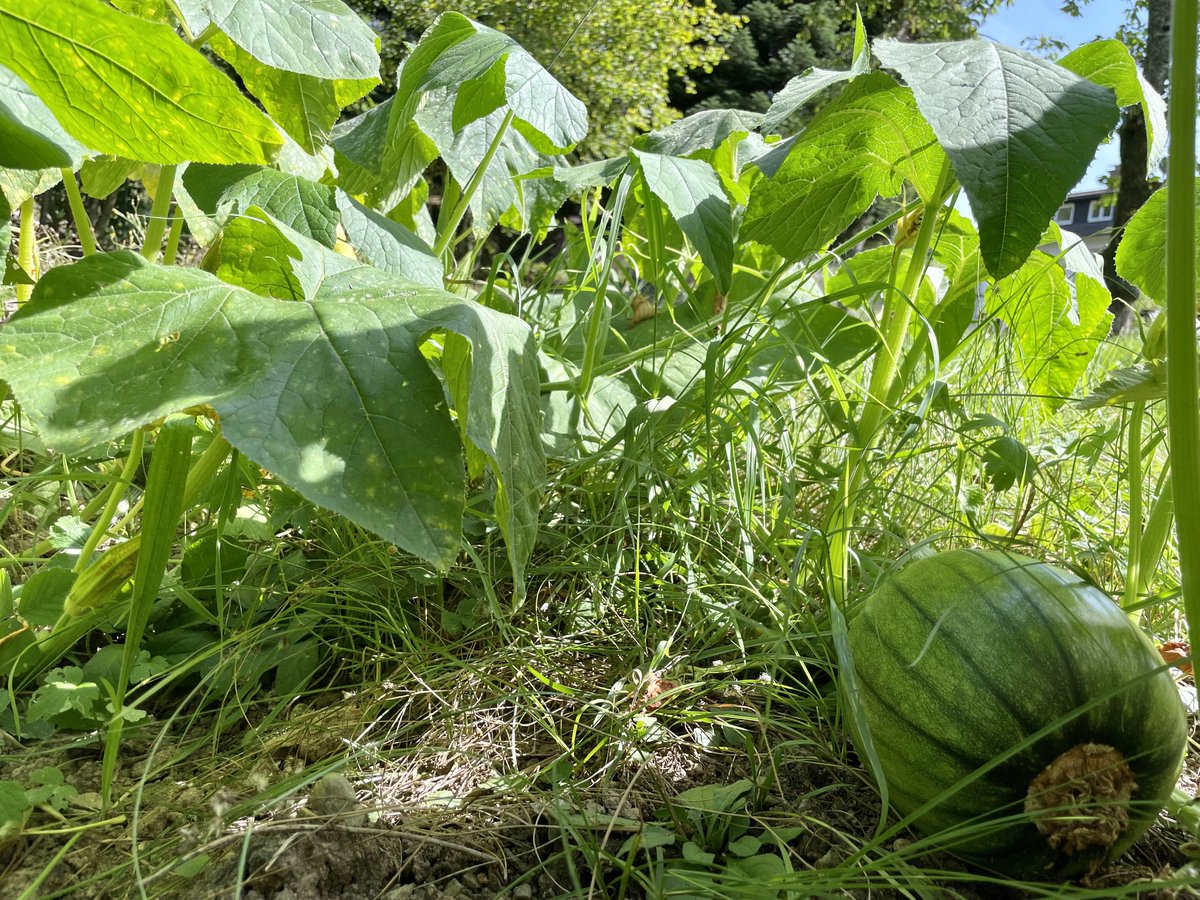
1033	18
1029	19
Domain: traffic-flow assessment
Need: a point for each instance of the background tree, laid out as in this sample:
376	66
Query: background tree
617	56
783	38
1151	48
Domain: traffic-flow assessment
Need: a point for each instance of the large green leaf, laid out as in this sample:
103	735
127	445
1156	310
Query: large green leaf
1057	325
1142	253
865	143
1020	132
808	84
30	136
535	97
323	38
305	106
705	130
334	396
128	87
464	152
382	153
254	253
388	245
18	185
101	175
692	193
1110	64
305	205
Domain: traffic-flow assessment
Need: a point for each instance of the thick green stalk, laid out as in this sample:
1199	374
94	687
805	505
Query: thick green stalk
597	322
173	238
1183	418
115	496
1156	533
1133	556
26	250
157	226
446	231
83	223
897	316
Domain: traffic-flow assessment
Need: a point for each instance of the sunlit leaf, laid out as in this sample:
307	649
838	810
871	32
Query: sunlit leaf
128	87
1110	64
1142	253
692	193
30	136
333	395
1020	132
867	142
323	38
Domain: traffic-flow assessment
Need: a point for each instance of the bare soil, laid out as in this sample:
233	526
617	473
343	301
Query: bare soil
340	799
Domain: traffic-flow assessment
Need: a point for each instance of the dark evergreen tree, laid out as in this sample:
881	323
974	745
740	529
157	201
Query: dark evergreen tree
783	38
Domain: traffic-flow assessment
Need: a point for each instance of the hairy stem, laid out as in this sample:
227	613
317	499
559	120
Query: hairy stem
83	223
157	226
1182	379
26	250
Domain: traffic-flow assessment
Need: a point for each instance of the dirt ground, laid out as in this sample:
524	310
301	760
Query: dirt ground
457	813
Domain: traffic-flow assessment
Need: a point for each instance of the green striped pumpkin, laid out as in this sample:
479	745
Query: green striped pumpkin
962	656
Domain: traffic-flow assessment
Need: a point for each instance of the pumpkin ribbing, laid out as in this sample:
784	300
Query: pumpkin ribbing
962	656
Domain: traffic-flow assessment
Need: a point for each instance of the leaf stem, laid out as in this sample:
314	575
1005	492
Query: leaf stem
116	495
83	222
26	250
157	226
447	229
1183	421
897	316
1135	478
173	238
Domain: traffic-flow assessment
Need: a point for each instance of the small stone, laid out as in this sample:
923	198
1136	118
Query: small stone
89	800
453	888
523	892
333	795
831	859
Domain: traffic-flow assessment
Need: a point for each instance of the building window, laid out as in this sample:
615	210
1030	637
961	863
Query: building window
1100	210
1065	214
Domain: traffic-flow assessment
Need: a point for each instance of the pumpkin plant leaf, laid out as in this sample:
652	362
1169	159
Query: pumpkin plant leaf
1058	326
382	153
305	106
1142	253
692	193
101	175
705	130
255	254
466	150
388	245
865	143
1110	64
1020	132
325	39
333	395
556	119
1145	382
30	136
128	87
305	205
799	90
